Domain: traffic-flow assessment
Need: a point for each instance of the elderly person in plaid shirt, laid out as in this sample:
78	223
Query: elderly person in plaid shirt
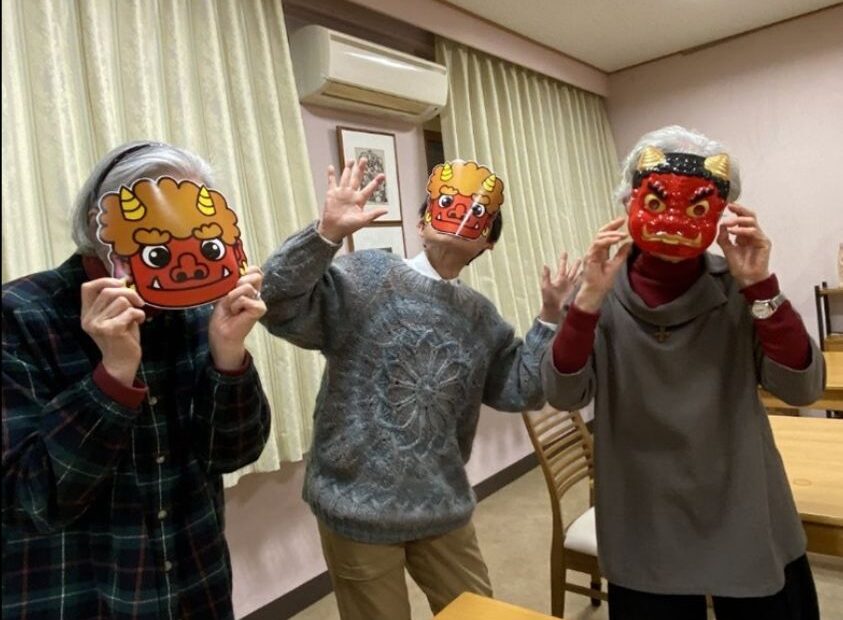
118	422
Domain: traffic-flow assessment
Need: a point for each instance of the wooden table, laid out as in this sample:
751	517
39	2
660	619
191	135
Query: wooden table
812	451
831	399
469	606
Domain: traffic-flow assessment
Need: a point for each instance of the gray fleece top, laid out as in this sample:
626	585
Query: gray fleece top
691	493
409	362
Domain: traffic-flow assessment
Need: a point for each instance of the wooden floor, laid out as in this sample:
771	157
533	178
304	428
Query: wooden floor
513	527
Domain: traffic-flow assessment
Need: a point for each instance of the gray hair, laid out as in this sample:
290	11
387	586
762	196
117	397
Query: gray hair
675	139
123	165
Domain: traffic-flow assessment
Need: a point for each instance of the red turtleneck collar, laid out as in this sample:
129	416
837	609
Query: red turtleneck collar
658	281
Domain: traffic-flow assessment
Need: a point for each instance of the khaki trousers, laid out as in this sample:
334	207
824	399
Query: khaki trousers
369	580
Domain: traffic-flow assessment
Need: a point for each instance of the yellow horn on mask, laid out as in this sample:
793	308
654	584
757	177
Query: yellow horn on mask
205	203
132	208
718	165
650	158
489	183
447	172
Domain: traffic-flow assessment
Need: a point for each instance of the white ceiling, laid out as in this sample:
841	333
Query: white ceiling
614	34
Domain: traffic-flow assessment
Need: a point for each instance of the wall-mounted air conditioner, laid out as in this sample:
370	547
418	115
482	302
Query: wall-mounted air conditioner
336	70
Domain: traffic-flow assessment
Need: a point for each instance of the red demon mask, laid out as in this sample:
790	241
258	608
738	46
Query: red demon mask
676	202
180	240
464	198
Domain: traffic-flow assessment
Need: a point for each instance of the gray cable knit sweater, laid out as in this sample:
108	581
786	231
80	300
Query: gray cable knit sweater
409	362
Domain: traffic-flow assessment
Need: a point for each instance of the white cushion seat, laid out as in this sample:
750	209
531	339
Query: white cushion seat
582	534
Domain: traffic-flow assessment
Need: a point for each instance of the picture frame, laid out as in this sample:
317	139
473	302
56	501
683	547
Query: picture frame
379	148
379	236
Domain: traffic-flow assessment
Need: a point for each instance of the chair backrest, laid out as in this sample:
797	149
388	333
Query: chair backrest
564	447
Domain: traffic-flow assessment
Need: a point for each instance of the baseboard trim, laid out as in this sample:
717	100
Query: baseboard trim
497	481
305	595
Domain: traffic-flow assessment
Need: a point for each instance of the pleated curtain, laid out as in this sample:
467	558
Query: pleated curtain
82	76
552	146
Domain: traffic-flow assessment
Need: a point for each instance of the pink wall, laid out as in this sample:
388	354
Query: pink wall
774	98
272	537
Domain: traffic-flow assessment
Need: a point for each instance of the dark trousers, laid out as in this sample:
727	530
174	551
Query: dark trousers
796	601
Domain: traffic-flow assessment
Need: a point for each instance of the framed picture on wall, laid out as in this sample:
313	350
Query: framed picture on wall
379	148
387	237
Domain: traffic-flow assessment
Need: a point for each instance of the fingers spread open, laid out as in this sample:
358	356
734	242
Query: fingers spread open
563	262
372	185
345	179
575	269
358	171
368	217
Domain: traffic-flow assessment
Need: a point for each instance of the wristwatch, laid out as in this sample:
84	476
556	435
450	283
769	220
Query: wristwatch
764	308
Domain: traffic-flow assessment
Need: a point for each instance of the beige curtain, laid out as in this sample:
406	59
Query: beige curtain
552	145
80	77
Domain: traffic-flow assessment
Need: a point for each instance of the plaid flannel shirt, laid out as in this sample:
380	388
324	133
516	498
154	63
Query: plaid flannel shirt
109	510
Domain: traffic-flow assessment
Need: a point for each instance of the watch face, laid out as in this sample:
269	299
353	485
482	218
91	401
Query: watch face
761	310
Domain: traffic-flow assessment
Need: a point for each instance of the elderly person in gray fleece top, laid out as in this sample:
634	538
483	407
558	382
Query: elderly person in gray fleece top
672	342
411	355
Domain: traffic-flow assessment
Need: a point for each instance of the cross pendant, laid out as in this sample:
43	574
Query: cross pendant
662	334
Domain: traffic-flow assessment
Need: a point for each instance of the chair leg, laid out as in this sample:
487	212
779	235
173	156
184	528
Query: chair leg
557	592
596	584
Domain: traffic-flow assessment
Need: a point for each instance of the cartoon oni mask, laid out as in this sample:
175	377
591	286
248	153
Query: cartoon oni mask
464	198
180	241
676	201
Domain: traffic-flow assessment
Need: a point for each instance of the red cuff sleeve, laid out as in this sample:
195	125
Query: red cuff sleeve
783	336
575	341
129	397
766	289
247	362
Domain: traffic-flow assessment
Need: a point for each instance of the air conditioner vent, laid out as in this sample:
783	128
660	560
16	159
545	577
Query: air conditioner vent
336	70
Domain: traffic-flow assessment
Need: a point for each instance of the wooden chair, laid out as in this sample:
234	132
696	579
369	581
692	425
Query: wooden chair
565	451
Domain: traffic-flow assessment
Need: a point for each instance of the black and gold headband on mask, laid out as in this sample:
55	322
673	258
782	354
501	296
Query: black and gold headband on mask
714	168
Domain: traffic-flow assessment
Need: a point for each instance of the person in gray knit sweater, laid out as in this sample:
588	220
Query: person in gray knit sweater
411	354
672	342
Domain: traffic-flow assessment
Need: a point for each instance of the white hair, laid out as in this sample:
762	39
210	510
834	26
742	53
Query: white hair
123	165
675	139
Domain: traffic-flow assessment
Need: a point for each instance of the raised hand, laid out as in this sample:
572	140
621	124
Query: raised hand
748	256
111	315
599	269
233	318
557	289
345	202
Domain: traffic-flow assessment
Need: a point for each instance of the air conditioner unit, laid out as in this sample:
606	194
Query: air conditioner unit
336	70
